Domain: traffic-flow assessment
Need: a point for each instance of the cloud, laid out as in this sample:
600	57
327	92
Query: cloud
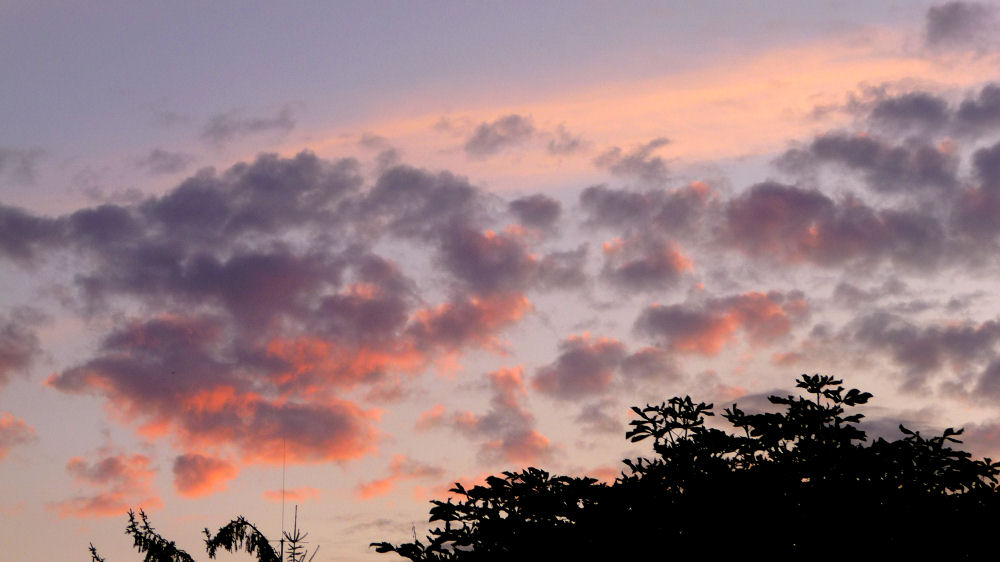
853	296
888	168
410	202
585	367
490	138
536	211
595	418
295	495
23	236
487	262
663	211
650	363
923	351
160	161
120	483
520	447
644	264
507	416
982	439
764	318
247	305
565	143
923	116
639	163
563	270
19	346
400	468
958	25
14	432
20	165
166	372
981	114
920	112
791	224
508	427
197	475
431	418
231	125
467	321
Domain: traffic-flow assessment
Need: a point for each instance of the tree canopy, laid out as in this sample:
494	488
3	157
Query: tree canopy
801	482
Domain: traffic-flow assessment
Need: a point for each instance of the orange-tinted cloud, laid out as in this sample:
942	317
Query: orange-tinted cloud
606	474
431	418
122	482
708	328
644	263
315	365
295	495
13	432
400	468
167	373
197	475
474	320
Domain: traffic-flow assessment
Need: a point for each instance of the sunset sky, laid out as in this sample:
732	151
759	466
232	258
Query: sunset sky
393	245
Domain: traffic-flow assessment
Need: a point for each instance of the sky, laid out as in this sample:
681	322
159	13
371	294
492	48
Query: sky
351	253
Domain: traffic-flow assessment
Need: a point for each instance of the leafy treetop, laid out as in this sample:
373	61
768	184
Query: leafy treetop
801	482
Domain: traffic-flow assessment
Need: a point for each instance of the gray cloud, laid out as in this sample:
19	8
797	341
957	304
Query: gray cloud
231	125
23	236
650	363
792	224
960	25
673	212
980	114
565	143
911	112
639	163
585	367
410	202
644	264
595	418
19	345
922	351
563	270
20	165
160	161
536	211
884	166
504	132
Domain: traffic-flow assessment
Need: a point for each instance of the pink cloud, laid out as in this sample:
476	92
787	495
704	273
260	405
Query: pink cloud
121	482
13	432
431	418
400	468
197	475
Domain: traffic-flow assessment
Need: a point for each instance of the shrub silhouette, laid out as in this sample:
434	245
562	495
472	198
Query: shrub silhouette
802	483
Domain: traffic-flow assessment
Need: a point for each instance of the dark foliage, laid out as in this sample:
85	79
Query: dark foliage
147	540
237	535
241	534
802	483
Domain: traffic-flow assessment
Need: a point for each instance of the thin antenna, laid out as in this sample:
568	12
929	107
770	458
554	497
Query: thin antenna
282	555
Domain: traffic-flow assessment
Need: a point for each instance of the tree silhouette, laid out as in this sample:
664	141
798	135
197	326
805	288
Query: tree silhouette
800	483
235	536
